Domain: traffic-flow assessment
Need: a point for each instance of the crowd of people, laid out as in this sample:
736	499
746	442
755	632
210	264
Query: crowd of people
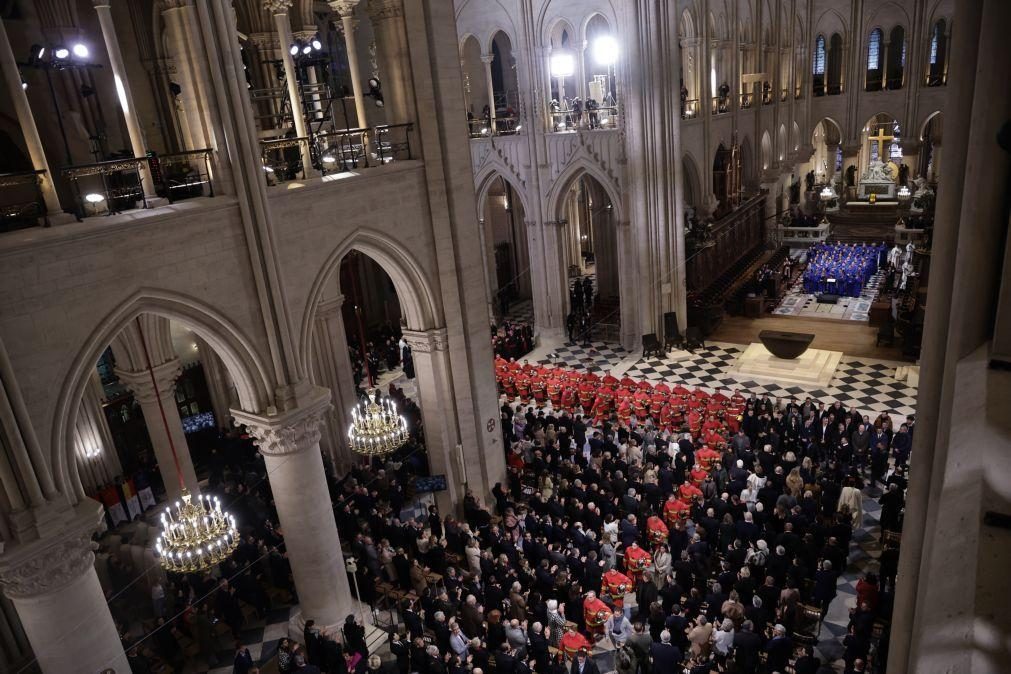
385	352
842	268
512	339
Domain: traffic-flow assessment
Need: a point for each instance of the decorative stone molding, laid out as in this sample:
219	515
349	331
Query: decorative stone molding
380	10
101	3
427	341
277	6
264	40
48	564
487	58
330	307
165	376
307	33
167	5
289	432
343	8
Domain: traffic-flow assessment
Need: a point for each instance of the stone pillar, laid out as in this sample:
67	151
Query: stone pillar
133	126
332	369
911	156
12	76
279	10
182	43
851	157
53	586
556	275
487	60
430	350
289	442
832	151
97	460
219	384
345	10
391	42
168	433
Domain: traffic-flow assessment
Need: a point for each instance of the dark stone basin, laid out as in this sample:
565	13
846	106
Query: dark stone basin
786	345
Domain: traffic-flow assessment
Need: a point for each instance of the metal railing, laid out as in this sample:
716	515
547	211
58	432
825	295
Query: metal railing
341	150
690	108
767	97
721	105
183	175
500	126
603	117
282	159
392	142
747	100
21	202
106	187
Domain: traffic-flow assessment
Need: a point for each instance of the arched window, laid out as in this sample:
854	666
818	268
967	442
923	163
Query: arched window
834	65
895	67
818	66
874	60
937	66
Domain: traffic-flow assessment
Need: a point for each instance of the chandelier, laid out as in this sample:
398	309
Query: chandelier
199	536
376	426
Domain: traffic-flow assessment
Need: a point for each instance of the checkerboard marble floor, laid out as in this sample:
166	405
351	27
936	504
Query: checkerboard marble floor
262	639
796	302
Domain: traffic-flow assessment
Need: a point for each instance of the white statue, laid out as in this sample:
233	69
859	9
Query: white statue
877	172
893	256
910	250
922	188
907	271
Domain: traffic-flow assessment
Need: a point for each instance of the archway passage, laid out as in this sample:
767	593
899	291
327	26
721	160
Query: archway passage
929	161
507	255
727	187
826	162
591	261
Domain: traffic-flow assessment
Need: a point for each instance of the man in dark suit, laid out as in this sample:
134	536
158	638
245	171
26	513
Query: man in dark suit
778	650
666	657
582	664
747	646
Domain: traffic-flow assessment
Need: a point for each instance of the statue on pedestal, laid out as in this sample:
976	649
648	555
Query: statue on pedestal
877	172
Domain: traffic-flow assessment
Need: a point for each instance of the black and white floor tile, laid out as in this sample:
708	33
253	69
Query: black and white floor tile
796	302
596	357
262	639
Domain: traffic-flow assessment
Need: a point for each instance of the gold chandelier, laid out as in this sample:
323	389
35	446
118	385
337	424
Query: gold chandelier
199	536
376	426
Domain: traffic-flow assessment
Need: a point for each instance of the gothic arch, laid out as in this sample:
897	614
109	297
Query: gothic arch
688	26
926	120
885	16
485	180
556	195
837	138
418	299
795	137
747	163
250	371
585	23
781	147
692	182
490	39
766	151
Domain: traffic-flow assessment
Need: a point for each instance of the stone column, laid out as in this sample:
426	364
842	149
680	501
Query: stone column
279	10
53	586
168	433
345	10
332	369
851	157
487	60
183	45
556	276
391	42
12	76
133	127
832	151
430	350
97	461
219	384
289	442
911	156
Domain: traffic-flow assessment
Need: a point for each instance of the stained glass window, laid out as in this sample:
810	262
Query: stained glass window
874	50
933	44
819	55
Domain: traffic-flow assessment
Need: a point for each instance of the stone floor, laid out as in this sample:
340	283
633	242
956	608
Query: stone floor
796	302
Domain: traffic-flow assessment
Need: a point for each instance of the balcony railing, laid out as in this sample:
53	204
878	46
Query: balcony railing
689	108
340	150
784	95
603	117
767	97
747	100
106	187
500	126
21	202
183	175
721	105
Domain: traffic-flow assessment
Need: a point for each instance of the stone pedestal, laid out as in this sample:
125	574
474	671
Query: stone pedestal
813	368
289	442
54	588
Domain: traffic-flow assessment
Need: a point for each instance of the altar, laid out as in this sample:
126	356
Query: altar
880	177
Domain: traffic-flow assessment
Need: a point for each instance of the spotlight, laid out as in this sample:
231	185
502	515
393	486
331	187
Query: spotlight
24	85
605	50
293	50
61	52
563	64
519	127
35	54
316	44
268	169
329	159
94	198
307	49
81	51
375	91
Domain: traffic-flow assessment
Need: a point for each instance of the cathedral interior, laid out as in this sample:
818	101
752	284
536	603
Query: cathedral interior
505	336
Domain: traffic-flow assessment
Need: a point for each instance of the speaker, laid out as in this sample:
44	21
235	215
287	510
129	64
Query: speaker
827	298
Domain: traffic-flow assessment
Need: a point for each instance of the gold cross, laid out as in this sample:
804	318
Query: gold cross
880	139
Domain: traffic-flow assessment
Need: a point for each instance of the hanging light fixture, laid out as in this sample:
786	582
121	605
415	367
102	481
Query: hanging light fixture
198	535
376	427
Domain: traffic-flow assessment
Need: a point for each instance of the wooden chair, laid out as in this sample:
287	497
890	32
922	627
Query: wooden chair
694	338
671	333
808	624
651	345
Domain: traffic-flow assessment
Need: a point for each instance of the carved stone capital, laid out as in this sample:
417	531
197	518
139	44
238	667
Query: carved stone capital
307	33
164	385
330	307
264	40
344	8
100	4
48	564
277	6
427	341
487	59
290	432
166	5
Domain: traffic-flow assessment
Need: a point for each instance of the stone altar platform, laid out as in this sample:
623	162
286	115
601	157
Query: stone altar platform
814	367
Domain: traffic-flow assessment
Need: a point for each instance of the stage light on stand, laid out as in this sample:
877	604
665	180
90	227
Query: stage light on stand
293	50
605	50
316	44
563	64
81	51
307	50
61	52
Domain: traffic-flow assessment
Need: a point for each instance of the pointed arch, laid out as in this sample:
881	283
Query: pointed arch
766	150
556	196
486	179
250	371
691	181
